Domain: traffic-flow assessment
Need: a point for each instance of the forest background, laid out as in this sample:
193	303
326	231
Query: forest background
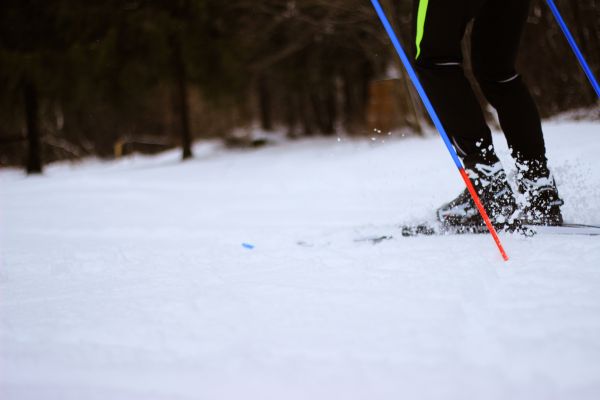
106	78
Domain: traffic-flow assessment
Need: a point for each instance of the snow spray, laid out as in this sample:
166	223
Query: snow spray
438	124
571	40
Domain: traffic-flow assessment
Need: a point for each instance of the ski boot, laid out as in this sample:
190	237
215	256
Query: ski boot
495	194
542	202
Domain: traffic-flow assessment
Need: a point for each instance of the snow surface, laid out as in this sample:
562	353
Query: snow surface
129	280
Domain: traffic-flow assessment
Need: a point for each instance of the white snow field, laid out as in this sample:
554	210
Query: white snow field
128	280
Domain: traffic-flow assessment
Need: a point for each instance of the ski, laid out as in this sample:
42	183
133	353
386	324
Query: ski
566	229
375	239
391	233
438	229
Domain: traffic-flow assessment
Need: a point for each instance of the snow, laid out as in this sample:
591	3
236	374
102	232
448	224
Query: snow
130	279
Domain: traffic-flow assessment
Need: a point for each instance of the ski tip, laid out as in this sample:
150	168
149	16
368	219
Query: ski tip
374	239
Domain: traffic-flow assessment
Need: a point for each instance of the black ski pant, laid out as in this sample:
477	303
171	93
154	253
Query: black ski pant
498	25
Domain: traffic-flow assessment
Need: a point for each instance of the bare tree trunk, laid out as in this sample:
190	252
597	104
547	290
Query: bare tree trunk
322	101
181	96
264	100
306	115
330	108
291	114
34	159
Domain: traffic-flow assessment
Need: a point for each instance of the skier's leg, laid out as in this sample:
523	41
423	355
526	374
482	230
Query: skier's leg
439	29
495	41
440	26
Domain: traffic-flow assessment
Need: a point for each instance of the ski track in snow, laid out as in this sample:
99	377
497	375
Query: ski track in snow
128	280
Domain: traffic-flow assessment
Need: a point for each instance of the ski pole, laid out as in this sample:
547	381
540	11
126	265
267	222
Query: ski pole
571	40
438	124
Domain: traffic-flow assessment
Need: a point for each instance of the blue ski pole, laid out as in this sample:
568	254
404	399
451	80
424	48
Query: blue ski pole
571	40
438	124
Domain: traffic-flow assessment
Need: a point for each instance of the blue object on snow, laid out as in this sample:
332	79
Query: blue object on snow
248	246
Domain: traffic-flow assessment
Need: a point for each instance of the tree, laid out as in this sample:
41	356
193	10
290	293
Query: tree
77	77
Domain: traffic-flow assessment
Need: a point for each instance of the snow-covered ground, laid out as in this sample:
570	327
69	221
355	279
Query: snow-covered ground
128	280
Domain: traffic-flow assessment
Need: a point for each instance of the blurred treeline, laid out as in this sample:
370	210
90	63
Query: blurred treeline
93	77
